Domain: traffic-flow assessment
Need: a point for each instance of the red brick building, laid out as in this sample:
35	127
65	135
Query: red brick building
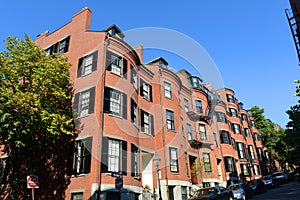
133	113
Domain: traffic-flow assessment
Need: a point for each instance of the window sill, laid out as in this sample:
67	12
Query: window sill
115	115
120	75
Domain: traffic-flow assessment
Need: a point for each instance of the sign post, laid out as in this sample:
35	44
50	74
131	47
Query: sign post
118	182
32	182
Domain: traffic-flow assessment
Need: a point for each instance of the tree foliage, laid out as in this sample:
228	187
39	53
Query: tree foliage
36	122
272	138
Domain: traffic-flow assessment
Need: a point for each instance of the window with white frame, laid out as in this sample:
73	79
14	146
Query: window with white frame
215	140
186	105
230	98
199	106
134	111
173	160
84	102
236	128
189	132
244	169
133	78
241	152
206	161
134	161
145	90
77	196
224	136
259	154
244	117
221	117
113	155
87	64
247	132
229	167
168	91
233	112
147	125
116	64
170	120
82	163
251	152
256	170
115	102
202	132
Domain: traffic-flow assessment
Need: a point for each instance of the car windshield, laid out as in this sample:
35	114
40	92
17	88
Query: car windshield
235	187
205	192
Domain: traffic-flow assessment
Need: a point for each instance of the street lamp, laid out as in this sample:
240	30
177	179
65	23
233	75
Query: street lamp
156	163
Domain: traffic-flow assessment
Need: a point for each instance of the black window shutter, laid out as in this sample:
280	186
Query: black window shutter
142	121
79	72
108	60
92	100
132	160
104	155
124	104
125	67
124	157
88	154
95	59
131	109
66	49
55	47
150	92
75	105
106	100
152	124
70	159
141	87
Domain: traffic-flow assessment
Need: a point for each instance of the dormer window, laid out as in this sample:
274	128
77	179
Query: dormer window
115	32
196	82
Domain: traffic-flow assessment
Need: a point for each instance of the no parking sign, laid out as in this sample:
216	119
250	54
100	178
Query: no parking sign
32	181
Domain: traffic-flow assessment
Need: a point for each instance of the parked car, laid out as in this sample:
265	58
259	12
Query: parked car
241	191
270	182
212	193
258	186
282	177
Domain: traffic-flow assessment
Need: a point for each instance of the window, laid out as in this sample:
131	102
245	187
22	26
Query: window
114	155
233	143
241	152
133	77
233	112
168	91
77	196
83	148
229	98
244	169
251	152
189	132
215	140
173	160
145	90
229	164
221	117
61	47
134	161
236	128
259	154
87	64
147	123
115	102
116	64
206	161
170	120
84	102
186	105
196	82
202	132
224	136
134	110
199	106
252	124
247	133
244	117
256	170
184	193
256	137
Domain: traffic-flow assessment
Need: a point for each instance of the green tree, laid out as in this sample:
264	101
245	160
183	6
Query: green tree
272	138
36	122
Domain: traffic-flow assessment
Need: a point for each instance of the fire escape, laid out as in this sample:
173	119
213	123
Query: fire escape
294	22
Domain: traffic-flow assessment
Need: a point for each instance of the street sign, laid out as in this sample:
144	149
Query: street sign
115	175
32	181
118	183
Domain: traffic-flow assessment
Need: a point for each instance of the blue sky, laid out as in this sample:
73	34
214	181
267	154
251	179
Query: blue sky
249	41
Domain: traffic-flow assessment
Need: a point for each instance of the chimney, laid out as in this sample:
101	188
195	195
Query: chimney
139	49
83	18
